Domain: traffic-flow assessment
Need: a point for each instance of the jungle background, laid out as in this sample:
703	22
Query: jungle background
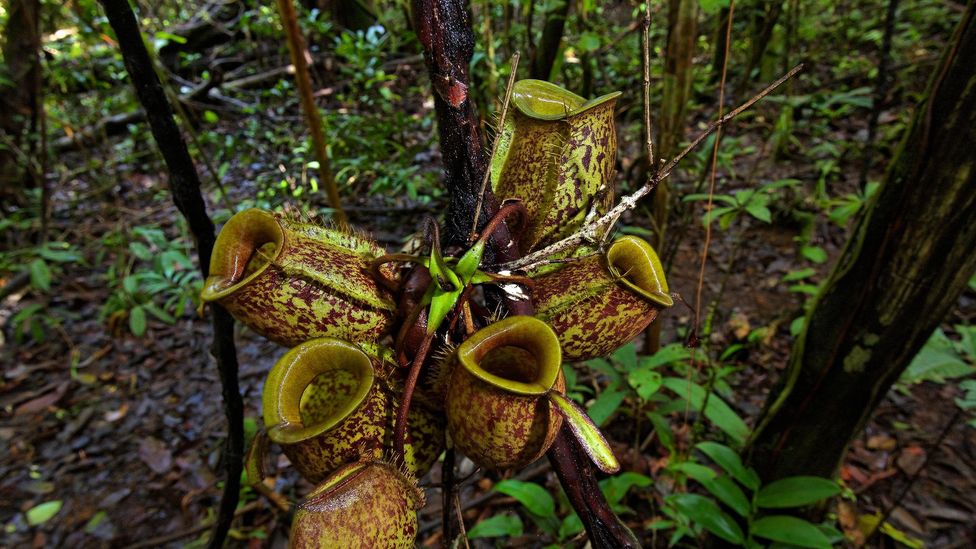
111	421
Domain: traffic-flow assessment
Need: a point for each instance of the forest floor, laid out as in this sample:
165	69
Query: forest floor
127	431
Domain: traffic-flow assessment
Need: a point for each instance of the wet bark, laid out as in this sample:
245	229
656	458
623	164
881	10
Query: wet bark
185	187
19	103
910	257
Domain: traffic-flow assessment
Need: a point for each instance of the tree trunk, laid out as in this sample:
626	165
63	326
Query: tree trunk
19	102
909	259
763	24
544	55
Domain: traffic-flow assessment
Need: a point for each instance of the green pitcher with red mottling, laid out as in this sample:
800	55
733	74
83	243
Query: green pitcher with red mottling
328	403
601	302
368	505
498	411
291	281
555	153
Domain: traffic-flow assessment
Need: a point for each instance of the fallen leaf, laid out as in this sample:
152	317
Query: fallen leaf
42	402
116	415
154	453
882	442
39	514
911	459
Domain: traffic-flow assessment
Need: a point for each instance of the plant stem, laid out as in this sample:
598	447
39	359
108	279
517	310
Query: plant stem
185	186
296	46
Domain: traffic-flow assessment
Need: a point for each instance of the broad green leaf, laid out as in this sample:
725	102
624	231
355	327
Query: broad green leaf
604	367
760	212
936	361
570	526
626	356
159	313
535	498
589	41
729	493
694	471
137	321
814	253
39	514
130	284
793	276
645	381
706	513
616	487
140	250
669	354
968	334
663	430
497	526
59	252
586	432
790	530
796	492
729	460
717	411
605	405
40	274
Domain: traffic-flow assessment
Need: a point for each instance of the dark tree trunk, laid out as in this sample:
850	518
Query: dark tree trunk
19	103
544	55
185	187
766	17
909	259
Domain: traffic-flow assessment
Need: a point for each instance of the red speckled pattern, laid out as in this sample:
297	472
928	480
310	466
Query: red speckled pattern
590	311
373	508
498	429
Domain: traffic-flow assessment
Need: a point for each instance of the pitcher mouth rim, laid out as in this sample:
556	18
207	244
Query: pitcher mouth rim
250	221
297	369
525	332
575	103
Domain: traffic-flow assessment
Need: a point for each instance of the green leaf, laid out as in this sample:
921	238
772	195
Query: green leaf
936	361
130	284
796	492
669	354
159	313
790	530
605	405
586	432
39	514
589	41
626	356
140	250
796	326
40	274
706	513
137	321
535	498
645	381
497	526
694	471
59	252
168	36
570	526
729	460
760	212
616	487
717	411
663	430
712	6
793	276
814	253
210	117
729	493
